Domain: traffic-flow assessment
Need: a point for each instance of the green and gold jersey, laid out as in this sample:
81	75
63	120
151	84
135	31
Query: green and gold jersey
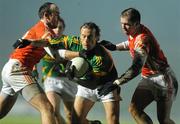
101	62
50	67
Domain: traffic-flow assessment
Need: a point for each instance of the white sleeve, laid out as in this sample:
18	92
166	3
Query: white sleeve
48	51
125	44
52	53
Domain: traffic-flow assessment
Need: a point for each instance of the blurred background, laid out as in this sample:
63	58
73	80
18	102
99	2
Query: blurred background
162	17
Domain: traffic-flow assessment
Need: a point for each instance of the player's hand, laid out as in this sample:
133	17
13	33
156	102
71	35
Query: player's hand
108	45
21	43
69	71
85	53
106	88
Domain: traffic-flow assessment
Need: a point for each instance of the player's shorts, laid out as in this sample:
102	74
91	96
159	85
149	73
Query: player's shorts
162	86
93	95
16	78
61	85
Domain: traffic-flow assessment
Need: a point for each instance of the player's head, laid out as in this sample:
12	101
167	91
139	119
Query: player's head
130	20
60	28
49	13
89	35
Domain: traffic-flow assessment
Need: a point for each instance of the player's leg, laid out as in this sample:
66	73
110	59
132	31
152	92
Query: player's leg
35	95
81	108
8	96
6	103
142	97
68	108
163	111
111	105
68	95
55	100
52	88
165	97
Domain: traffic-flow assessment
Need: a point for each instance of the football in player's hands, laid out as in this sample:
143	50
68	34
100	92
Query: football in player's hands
77	67
69	71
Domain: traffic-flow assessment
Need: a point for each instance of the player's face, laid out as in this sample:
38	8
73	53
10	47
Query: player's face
53	18
88	38
127	27
59	30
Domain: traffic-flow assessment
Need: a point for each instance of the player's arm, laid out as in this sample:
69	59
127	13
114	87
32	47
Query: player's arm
110	46
140	55
40	43
91	84
21	43
123	46
68	54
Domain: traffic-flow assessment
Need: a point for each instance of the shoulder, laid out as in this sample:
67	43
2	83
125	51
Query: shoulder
36	31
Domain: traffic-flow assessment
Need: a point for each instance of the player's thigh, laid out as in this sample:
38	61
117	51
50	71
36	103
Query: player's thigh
68	107
35	95
54	99
164	109
82	106
141	98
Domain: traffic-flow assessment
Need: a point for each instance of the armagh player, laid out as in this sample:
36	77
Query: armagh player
158	81
17	72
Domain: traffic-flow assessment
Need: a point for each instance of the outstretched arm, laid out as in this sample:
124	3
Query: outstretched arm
133	71
110	46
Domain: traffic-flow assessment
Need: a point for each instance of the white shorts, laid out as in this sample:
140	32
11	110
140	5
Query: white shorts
61	85
15	77
93	95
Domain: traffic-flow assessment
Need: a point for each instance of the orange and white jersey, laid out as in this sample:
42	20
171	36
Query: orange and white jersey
30	55
145	44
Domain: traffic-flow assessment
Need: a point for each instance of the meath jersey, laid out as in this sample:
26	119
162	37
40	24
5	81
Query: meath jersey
30	55
145	42
101	61
51	68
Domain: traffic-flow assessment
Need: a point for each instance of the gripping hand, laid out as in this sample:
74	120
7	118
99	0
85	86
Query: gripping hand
69	71
85	53
108	45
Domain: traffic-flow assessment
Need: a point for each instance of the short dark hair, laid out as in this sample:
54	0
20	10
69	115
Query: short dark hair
44	8
92	25
133	14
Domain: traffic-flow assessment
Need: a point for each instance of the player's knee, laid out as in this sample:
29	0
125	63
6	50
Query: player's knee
48	108
132	109
69	116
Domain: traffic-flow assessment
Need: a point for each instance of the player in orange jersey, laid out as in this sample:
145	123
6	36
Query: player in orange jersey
17	72
158	81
